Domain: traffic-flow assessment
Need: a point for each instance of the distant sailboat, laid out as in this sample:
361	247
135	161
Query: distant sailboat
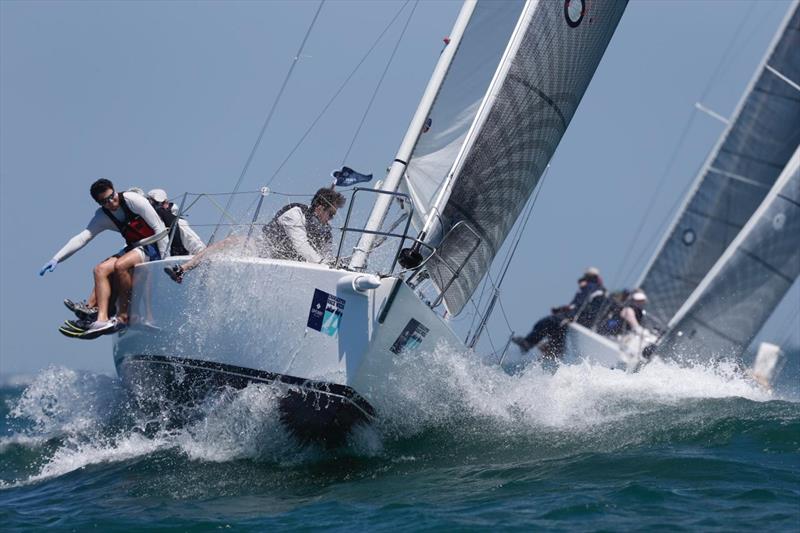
700	282
501	96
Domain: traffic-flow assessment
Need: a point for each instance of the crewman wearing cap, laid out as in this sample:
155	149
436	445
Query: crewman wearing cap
633	313
627	313
583	308
184	241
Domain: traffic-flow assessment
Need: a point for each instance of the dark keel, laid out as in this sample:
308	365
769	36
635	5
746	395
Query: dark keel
312	411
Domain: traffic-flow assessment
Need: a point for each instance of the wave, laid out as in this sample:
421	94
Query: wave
67	420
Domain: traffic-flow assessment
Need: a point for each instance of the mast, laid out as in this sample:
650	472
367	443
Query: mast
433	223
392	180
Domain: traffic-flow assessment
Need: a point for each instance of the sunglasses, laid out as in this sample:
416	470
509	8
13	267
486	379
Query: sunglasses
107	199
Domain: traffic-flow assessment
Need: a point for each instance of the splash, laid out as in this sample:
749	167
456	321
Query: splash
74	420
439	387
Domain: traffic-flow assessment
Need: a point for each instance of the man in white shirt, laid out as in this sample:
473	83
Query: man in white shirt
297	232
131	215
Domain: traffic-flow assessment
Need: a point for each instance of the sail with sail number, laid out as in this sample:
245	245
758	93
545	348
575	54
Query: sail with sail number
750	155
492	137
731	305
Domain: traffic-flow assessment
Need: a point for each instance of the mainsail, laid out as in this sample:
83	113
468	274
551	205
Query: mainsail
730	306
760	139
509	95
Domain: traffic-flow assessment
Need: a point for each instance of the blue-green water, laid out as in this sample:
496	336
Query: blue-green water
463	447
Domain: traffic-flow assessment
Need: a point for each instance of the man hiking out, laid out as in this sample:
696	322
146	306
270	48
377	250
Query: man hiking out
130	214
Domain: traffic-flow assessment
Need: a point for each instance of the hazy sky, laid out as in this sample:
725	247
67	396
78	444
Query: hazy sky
173	95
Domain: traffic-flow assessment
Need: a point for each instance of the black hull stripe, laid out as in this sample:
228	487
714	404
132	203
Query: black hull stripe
329	389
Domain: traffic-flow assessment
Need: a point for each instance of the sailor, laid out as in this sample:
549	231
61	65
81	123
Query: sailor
297	232
184	240
302	233
130	214
627	317
554	327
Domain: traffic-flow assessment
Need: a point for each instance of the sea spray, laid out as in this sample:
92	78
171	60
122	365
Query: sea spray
76	419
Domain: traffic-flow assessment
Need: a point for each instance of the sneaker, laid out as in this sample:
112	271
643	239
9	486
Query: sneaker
523	344
81	310
78	326
105	327
175	273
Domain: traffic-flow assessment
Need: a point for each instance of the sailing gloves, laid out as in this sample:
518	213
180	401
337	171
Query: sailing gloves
49	267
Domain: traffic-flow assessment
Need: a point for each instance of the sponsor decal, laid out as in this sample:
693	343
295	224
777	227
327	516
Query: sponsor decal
325	313
410	337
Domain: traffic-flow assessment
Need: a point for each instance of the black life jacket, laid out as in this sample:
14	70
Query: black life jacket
169	218
280	245
616	325
134	228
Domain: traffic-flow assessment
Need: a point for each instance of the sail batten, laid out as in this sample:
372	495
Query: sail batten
739	172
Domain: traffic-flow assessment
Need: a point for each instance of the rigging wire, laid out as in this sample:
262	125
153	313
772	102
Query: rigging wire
380	82
336	94
510	255
268	119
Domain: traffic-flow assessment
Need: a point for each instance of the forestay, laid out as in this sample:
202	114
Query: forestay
730	306
511	91
756	146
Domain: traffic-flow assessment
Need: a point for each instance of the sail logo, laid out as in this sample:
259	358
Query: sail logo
574	10
410	337
326	313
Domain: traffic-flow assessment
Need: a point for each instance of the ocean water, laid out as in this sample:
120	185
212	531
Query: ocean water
460	446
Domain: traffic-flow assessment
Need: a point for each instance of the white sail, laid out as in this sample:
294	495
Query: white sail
485	39
748	158
482	176
736	298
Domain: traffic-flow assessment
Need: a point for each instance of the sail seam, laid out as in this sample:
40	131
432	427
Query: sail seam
739	178
766	265
751	158
542	95
715	330
776	94
715	219
790	200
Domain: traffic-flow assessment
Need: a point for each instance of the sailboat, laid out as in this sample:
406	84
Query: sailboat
724	264
325	337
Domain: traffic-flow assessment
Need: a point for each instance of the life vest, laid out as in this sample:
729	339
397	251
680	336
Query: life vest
279	243
169	218
134	228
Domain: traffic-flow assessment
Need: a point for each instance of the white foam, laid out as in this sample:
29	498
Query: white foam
432	388
427	390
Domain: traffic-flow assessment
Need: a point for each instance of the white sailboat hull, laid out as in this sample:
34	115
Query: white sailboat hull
583	344
306	330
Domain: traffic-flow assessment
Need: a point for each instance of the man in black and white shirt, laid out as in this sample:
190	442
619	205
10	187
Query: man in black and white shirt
130	214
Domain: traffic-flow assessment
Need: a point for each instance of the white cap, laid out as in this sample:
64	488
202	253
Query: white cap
592	271
158	195
639	296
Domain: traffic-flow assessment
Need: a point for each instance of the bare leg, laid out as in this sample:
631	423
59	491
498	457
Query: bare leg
91	301
102	286
211	249
124	272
